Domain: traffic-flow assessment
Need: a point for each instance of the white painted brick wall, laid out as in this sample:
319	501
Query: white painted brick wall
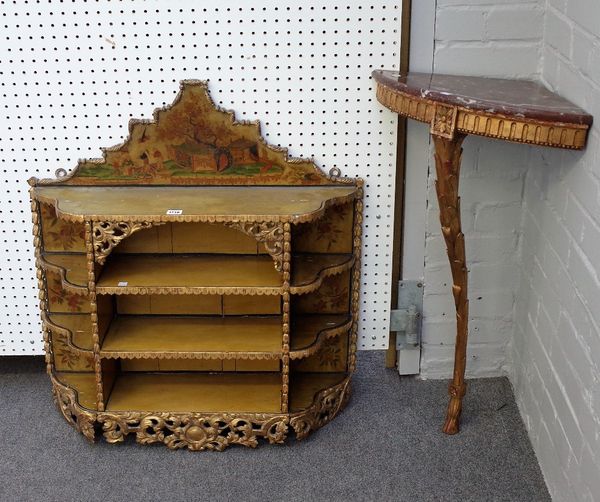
532	225
556	344
490	38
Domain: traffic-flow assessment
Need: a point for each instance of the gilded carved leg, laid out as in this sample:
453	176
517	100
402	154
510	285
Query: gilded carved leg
447	161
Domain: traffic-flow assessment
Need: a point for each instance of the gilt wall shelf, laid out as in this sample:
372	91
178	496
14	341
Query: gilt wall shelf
198	288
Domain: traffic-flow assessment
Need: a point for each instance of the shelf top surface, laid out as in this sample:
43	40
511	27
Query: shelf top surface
226	274
218	271
131	335
181	392
253	203
523	99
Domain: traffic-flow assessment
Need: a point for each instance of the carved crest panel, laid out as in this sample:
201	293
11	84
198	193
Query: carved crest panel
193	142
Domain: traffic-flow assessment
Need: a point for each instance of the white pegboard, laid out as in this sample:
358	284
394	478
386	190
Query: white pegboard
73	73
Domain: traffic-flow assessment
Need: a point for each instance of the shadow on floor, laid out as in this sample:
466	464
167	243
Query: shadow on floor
386	445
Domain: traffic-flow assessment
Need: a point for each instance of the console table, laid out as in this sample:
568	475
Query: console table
455	106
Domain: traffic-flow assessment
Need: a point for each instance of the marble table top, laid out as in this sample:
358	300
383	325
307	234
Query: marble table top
521	99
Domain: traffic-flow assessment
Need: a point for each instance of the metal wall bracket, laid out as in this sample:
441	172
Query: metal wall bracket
405	320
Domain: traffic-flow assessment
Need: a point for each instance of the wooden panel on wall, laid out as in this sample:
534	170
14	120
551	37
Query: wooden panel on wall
239	304
105	310
60	300
333	297
330	234
110	369
211	238
199	365
156	239
256	365
66	359
331	358
139	365
61	235
189	365
165	304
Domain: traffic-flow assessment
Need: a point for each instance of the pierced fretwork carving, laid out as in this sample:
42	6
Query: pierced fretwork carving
66	401
108	234
269	233
194	431
327	404
197	431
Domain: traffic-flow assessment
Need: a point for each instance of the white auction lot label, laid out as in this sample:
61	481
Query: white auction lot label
174	211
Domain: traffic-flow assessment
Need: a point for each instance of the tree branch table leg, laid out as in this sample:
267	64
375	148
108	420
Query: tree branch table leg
447	161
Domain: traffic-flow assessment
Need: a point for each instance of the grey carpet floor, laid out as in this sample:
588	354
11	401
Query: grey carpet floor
386	445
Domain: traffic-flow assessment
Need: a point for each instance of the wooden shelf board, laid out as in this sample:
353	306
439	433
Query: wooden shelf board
164	336
162	273
310	330
215	274
304	387
71	266
83	383
200	203
197	392
309	270
79	325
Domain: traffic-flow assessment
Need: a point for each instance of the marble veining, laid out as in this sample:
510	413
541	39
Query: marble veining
513	98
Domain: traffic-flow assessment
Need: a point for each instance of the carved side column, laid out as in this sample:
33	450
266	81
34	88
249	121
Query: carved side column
285	347
448	153
357	250
42	285
91	272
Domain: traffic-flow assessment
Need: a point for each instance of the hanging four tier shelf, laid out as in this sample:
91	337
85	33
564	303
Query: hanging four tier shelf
198	288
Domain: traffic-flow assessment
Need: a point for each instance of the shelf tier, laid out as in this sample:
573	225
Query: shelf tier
71	267
207	337
309	332
217	337
197	392
75	327
215	274
305	386
200	203
202	392
309	270
82	383
190	274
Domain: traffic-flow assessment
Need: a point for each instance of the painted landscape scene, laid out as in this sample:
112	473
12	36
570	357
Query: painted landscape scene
194	143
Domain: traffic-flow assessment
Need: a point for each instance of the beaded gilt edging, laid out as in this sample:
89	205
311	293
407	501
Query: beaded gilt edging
357	245
41	281
189	290
285	325
124	354
467	121
201	431
91	273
